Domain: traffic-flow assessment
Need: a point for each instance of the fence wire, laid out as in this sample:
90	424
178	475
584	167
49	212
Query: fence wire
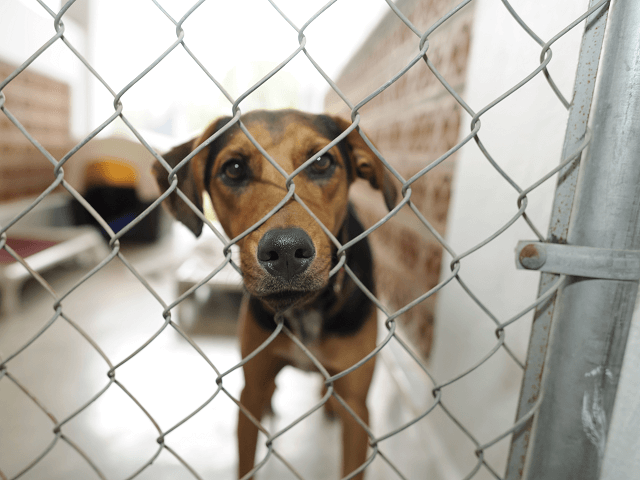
375	439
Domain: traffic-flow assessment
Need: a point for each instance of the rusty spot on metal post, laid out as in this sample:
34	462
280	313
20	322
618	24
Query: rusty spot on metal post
532	257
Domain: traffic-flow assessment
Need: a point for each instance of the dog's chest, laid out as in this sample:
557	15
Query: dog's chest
306	325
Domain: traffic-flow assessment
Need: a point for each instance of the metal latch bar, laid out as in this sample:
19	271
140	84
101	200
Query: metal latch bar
578	261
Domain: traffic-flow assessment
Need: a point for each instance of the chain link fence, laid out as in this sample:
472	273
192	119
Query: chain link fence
166	321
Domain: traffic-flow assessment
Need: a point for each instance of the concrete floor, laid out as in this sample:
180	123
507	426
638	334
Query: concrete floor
63	371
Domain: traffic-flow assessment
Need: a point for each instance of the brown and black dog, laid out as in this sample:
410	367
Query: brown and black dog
286	261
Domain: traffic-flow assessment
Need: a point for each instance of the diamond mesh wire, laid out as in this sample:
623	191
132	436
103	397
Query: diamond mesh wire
377	450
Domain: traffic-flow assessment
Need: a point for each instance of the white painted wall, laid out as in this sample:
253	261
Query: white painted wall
237	42
524	134
24	27
120	39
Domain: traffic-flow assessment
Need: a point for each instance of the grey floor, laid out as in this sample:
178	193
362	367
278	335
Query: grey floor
62	371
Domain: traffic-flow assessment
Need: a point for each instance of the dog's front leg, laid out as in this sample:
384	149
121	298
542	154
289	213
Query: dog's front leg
353	390
354	438
259	384
256	399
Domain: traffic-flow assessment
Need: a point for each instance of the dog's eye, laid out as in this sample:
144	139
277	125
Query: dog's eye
235	171
322	165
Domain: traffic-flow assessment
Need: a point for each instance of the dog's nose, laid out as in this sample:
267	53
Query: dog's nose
286	252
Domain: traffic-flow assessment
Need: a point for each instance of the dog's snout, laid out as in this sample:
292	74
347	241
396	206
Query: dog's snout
286	252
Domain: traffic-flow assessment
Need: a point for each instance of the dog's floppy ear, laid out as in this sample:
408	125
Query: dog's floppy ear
186	183
191	177
367	165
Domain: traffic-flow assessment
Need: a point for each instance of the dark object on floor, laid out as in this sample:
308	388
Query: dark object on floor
111	191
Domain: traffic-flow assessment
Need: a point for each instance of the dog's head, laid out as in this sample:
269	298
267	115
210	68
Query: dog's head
287	259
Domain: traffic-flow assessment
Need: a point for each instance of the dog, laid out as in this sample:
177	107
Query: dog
286	261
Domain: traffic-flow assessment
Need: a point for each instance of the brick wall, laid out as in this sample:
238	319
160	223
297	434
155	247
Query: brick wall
41	105
412	123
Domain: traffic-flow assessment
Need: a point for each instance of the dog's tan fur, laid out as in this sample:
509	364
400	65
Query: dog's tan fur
290	138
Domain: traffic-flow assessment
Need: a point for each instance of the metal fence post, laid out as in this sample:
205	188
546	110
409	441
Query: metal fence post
579	112
592	315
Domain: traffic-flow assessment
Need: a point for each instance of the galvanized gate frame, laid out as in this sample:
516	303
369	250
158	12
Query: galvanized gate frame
580	334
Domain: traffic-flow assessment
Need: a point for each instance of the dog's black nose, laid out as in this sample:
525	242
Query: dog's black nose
286	252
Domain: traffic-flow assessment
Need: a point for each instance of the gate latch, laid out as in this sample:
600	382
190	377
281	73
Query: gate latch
578	261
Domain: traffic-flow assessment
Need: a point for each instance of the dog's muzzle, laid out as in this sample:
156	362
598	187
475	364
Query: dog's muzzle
286	253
